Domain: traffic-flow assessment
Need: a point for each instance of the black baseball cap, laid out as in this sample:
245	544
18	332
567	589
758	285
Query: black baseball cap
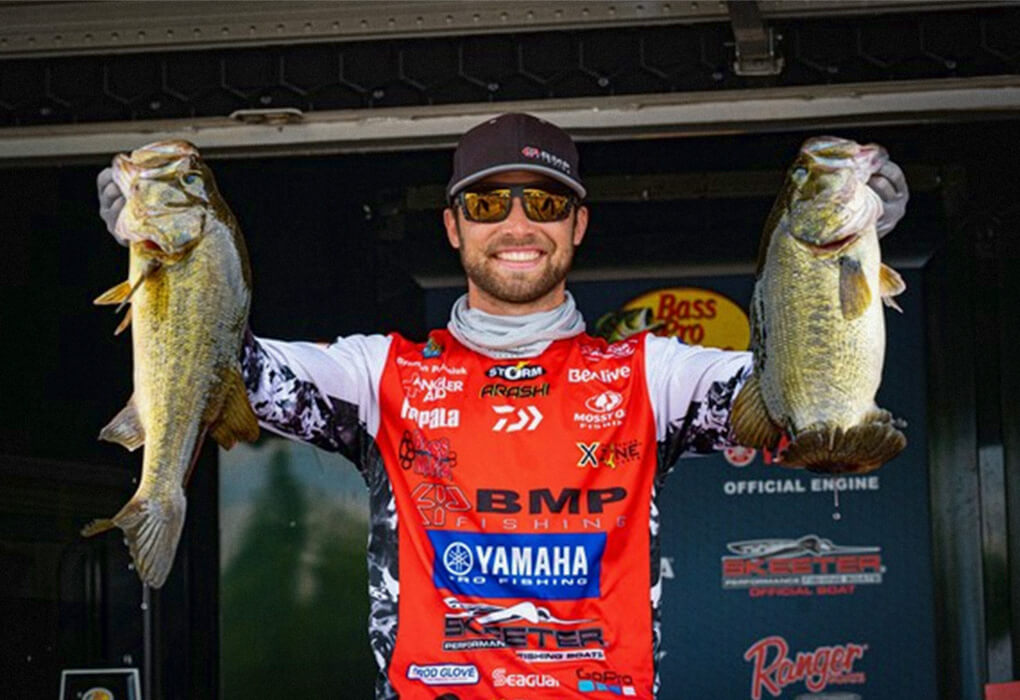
515	141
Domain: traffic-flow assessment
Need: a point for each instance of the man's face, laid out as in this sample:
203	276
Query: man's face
516	260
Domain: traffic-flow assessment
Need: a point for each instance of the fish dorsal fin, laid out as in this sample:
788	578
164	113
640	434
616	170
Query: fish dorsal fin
854	294
890	284
125	428
114	295
236	420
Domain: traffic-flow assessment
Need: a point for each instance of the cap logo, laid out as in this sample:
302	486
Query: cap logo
546	157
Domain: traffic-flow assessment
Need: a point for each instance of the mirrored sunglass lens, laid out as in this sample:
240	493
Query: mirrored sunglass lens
546	206
486	206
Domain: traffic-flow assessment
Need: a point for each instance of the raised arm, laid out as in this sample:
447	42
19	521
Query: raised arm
691	389
325	395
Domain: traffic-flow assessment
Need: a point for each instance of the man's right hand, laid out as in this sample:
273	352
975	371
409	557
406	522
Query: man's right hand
111	201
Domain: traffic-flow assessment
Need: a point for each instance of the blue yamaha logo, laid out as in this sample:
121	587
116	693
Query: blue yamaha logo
457	558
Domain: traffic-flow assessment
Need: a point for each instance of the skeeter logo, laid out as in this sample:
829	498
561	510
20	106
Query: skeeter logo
773	670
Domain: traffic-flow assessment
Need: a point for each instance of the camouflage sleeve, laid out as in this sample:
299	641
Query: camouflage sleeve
692	389
325	395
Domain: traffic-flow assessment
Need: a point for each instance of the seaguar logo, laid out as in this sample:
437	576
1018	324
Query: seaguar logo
563	566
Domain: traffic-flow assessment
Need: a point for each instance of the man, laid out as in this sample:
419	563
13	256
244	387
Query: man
513	461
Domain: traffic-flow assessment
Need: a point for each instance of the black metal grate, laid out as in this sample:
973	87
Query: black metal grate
493	68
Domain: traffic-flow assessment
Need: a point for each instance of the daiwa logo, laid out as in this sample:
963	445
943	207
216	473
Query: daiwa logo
773	669
501	678
547	567
430	417
444	674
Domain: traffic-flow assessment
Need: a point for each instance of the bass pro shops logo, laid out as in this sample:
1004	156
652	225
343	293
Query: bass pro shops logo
772	669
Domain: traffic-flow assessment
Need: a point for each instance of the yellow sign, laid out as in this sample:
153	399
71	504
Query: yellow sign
696	316
97	694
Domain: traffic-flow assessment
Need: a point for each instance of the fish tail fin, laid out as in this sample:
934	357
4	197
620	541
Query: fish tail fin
752	426
857	450
152	528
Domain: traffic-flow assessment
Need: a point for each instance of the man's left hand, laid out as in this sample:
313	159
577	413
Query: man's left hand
890	184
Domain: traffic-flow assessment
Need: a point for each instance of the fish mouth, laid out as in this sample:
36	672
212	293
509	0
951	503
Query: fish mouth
832	247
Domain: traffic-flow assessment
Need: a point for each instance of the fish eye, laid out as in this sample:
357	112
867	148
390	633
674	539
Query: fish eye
799	175
191	178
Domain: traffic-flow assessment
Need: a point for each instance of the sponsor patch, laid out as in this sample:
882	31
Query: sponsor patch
431	388
501	678
521	371
810	565
611	454
430	417
605	410
513	418
522	626
443	674
558	566
434	501
608	681
514	391
432	458
772	669
606	376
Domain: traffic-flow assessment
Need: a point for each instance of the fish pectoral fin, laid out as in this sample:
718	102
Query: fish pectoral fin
236	420
854	294
890	284
752	425
114	295
125	428
857	450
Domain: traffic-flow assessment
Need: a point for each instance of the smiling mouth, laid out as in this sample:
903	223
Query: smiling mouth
518	256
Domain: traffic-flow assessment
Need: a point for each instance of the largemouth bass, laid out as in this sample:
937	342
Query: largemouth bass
817	322
189	288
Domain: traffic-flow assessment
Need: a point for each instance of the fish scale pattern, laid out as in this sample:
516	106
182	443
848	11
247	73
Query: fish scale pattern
501	67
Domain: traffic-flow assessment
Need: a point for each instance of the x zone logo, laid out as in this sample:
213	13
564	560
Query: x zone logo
434	501
597	454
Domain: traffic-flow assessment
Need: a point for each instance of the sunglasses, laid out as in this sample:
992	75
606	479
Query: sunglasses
493	204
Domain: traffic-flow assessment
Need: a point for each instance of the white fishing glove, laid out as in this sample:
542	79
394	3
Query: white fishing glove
111	201
890	184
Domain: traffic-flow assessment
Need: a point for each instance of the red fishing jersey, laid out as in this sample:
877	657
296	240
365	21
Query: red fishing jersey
514	541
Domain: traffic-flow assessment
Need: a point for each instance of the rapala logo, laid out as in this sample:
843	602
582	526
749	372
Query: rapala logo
430	417
811	565
427	457
546	157
612	455
542	500
434	501
432	367
515	391
501	678
606	376
443	674
480	626
431	388
514	419
521	371
538	567
605	682
773	669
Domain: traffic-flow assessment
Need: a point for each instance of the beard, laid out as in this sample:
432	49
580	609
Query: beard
517	287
